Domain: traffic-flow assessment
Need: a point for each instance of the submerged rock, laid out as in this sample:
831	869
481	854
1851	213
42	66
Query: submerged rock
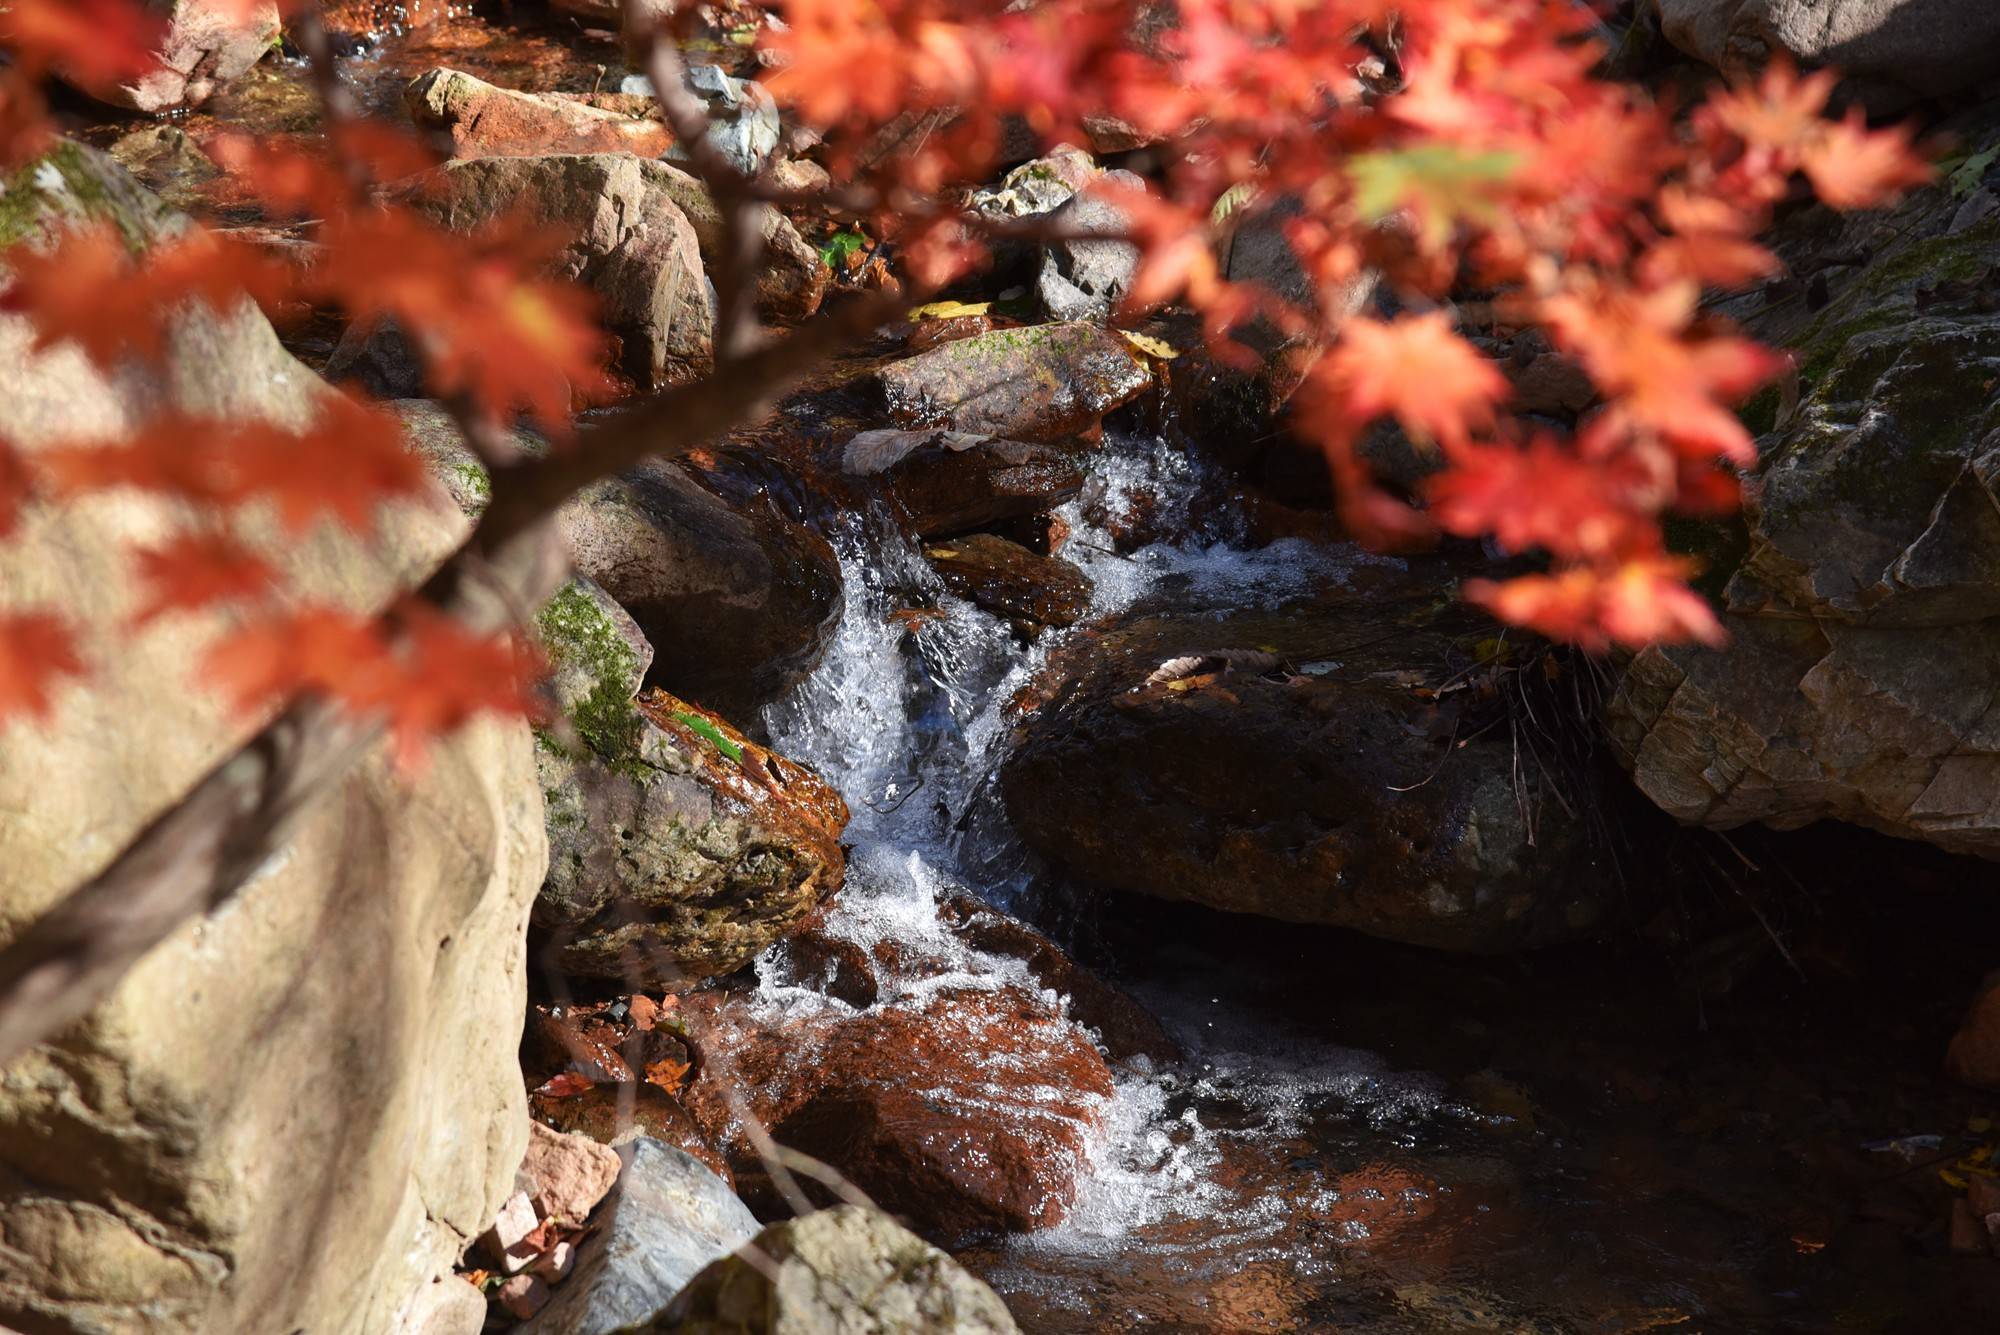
1008	580
967	1110
681	853
665	1221
1864	607
1042	383
847	1269
738	603
1304	761
160	1167
485	121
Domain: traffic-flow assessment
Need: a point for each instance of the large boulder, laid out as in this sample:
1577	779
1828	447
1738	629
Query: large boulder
633	247
681	854
1930	47
1010	581
738	602
1042	383
1306	760
793	278
1863	600
293	1112
847	1269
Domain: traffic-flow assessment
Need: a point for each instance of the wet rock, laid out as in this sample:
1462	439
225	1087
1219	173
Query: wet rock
683	855
847	1269
1086	280
1042	383
208	45
1008	580
966	1110
667	1218
209	1195
928	334
615	1114
571	1174
1124	1028
793	279
1297	760
738	603
167	162
1931	47
1866	583
484	121
945	482
634	246
1974	1057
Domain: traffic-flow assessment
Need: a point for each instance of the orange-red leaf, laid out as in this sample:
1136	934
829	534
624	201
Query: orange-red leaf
195	570
1854	167
98	43
1416	369
310	648
1639	602
37	650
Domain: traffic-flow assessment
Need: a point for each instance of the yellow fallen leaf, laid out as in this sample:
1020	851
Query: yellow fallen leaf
1151	346
949	310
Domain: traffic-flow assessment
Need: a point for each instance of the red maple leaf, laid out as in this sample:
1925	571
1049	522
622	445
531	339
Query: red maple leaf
98	43
308	648
194	570
343	467
37	650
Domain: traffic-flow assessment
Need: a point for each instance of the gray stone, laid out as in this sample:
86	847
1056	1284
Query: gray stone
1038	187
844	1271
1086	280
793	279
160	1172
738	604
1042	383
1930	47
634	246
667	1218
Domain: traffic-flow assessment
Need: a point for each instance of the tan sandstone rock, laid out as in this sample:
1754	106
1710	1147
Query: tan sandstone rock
293	1113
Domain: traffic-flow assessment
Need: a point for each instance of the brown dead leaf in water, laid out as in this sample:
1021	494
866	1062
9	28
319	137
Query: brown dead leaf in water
667	1074
563	1086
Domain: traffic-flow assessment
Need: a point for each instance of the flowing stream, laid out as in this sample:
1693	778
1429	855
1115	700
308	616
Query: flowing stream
1340	1148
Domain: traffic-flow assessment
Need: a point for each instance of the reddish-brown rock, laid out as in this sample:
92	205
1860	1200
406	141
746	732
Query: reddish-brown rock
967	1111
1008	580
1974	1055
946	482
571	1173
484	121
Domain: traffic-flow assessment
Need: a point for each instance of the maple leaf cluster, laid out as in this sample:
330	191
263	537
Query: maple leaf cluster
493	332
1447	146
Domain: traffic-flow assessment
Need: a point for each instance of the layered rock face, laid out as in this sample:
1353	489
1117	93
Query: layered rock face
294	1113
207	46
1865	611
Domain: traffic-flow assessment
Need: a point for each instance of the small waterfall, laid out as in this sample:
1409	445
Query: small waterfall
908	716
